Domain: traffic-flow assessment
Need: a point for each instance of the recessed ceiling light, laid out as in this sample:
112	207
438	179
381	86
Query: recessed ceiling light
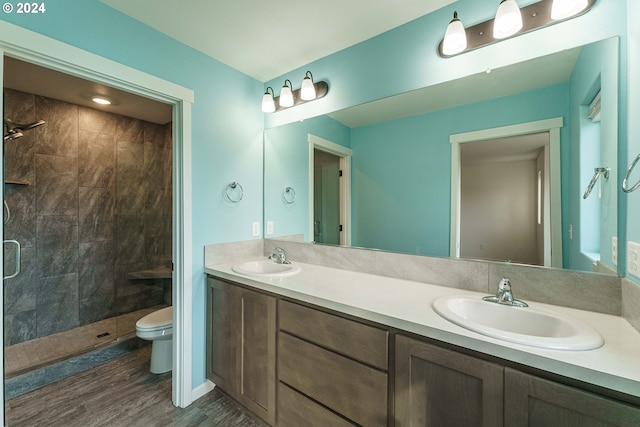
102	100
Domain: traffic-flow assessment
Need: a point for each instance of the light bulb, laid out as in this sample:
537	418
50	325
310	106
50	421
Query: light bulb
455	38
286	95
508	19
308	90
268	104
561	9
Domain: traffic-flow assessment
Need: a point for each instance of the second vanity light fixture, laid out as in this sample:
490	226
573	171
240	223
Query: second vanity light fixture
510	21
289	97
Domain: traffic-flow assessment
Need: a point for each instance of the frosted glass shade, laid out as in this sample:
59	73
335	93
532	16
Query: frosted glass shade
508	19
308	90
455	38
286	96
561	9
268	104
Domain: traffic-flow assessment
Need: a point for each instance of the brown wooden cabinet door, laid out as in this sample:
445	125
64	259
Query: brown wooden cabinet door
532	401
223	326
258	354
436	387
241	350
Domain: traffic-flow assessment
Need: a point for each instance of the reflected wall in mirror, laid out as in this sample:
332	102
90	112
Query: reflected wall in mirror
402	164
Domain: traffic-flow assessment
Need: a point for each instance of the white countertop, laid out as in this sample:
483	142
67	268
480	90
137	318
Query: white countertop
406	305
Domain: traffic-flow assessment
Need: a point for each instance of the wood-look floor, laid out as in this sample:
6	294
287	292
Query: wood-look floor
121	393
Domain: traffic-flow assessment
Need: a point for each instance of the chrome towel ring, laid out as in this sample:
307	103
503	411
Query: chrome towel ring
289	195
625	187
598	171
233	192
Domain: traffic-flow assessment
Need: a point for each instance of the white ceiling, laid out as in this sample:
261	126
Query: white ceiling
265	39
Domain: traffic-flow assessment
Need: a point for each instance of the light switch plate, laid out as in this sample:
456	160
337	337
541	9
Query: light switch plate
256	229
633	258
269	227
614	250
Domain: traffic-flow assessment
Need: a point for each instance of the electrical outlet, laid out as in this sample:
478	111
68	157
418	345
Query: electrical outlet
633	258
269	227
614	250
256	229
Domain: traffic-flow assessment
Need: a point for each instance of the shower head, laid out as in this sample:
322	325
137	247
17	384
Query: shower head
14	130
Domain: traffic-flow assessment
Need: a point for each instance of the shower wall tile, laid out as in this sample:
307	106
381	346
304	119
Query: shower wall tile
130	193
96	121
20	291
21	225
59	136
154	165
136	294
57	245
96	159
96	214
19	327
130	239
154	133
129	130
95	309
97	270
57	186
57	304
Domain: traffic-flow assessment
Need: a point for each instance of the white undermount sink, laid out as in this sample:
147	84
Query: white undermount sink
522	325
266	268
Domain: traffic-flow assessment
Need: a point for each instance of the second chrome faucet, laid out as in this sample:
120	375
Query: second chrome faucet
505	295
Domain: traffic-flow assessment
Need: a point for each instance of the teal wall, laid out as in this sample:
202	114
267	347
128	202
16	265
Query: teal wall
596	68
402	168
286	153
226	132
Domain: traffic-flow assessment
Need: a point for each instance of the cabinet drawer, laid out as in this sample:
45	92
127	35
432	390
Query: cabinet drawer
355	340
295	410
352	389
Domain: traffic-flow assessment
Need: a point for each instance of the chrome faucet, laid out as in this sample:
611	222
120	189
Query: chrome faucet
505	296
279	257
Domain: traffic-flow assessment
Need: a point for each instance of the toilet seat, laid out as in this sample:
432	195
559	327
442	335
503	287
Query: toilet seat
156	321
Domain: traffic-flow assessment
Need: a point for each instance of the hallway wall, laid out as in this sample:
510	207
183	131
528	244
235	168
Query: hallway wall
92	202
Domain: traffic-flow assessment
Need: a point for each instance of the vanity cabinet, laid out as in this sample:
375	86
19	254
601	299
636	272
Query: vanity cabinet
241	345
330	365
536	402
437	387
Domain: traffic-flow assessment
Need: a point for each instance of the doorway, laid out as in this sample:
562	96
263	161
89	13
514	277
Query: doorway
34	48
330	190
545	195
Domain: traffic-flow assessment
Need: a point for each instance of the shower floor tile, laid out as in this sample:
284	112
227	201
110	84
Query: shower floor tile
40	352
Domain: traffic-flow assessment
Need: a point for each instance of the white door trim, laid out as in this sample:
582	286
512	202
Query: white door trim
315	142
549	125
32	47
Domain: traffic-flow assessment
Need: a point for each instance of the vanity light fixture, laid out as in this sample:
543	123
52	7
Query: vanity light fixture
508	19
511	21
455	38
268	102
286	94
289	97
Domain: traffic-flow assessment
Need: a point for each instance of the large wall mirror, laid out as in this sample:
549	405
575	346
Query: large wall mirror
493	166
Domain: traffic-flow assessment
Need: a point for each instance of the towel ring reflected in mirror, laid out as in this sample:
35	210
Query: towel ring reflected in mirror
289	195
625	187
234	192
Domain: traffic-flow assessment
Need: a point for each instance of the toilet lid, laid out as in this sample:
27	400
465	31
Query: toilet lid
162	317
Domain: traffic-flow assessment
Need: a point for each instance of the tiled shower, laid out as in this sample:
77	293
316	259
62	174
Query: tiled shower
89	200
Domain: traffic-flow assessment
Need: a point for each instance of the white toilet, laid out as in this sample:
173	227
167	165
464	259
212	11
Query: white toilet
158	328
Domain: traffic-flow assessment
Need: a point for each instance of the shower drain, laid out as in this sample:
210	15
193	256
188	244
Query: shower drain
104	334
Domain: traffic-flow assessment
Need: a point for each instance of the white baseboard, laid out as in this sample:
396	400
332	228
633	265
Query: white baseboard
201	390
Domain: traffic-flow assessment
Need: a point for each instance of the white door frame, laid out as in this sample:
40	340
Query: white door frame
29	46
315	142
549	125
